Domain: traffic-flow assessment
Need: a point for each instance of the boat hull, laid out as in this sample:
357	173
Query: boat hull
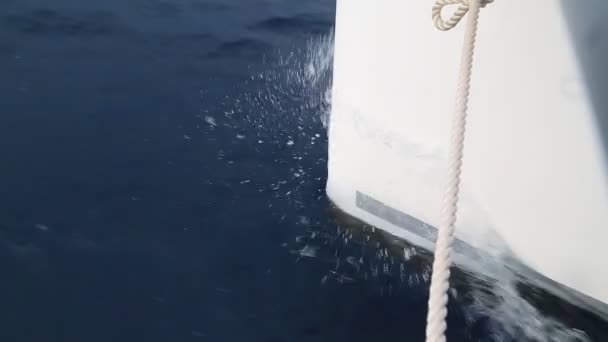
535	180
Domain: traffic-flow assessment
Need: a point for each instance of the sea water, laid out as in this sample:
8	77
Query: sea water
163	177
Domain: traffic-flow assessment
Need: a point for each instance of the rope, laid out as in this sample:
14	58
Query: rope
440	280
460	12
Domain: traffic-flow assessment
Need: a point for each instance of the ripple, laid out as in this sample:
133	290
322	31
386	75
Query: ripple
303	23
164	8
243	47
206	7
47	22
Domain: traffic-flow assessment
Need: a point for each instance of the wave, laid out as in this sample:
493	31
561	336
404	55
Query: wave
302	24
243	47
47	22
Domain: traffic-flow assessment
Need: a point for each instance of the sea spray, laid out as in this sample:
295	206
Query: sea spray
485	290
286	115
278	114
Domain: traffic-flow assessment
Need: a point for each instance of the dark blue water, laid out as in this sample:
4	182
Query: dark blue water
162	178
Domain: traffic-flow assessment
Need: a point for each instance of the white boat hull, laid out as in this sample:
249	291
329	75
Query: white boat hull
535	171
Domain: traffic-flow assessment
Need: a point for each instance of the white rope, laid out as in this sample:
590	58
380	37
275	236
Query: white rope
440	281
461	11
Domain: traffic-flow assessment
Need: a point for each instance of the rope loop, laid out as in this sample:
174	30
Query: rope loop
461	11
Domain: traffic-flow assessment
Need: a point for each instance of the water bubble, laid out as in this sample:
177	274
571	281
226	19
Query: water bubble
210	120
308	251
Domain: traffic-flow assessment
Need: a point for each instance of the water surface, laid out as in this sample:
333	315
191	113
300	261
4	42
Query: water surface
163	173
